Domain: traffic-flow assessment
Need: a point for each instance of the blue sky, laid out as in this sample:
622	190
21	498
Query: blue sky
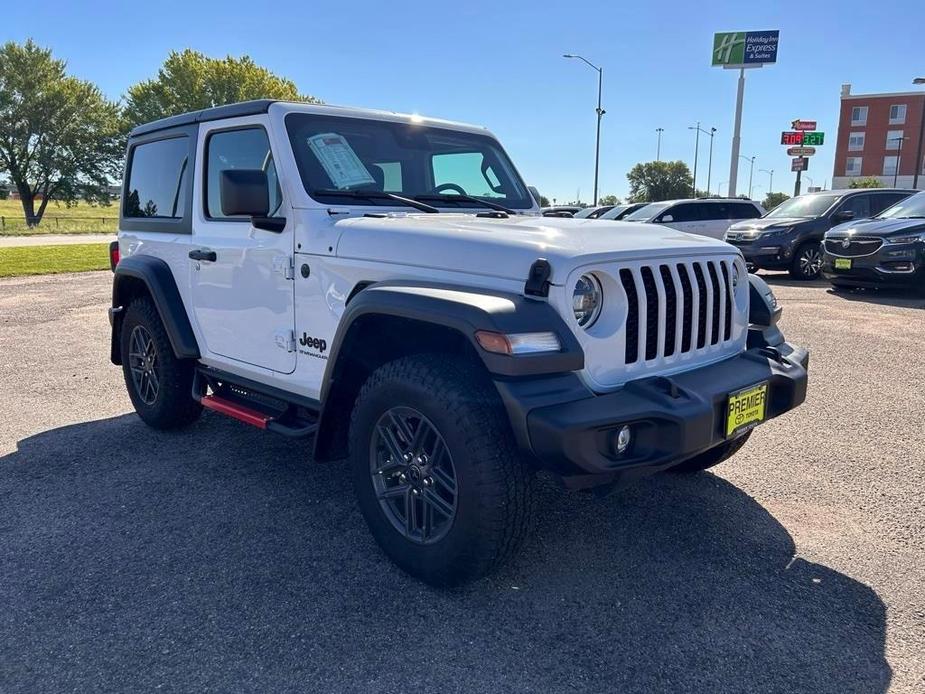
499	64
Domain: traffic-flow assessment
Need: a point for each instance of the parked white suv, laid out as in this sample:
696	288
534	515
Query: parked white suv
706	216
385	284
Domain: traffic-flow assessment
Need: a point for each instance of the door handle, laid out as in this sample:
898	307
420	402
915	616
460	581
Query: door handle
200	254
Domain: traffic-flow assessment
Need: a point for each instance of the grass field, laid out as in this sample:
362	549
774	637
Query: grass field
58	219
42	260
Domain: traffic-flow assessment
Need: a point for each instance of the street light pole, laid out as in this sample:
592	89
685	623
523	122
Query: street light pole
770	174
696	151
600	114
711	132
751	172
658	147
710	162
918	150
899	158
719	187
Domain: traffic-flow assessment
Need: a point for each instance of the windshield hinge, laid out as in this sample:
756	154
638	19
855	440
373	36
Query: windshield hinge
284	265
537	283
285	339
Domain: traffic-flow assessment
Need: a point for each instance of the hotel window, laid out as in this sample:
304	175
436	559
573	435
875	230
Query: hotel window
897	114
855	142
853	166
893	139
889	166
859	115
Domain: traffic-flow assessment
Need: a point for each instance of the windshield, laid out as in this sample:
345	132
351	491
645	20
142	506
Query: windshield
804	206
407	159
614	212
913	206
647	212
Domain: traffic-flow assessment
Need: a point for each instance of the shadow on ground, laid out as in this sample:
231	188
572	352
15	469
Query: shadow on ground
223	559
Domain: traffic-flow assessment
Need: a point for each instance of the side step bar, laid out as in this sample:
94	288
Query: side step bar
246	402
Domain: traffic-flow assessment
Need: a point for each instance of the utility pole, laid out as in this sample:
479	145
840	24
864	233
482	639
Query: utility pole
600	114
658	146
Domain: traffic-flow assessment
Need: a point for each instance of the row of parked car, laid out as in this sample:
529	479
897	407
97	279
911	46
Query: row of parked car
854	238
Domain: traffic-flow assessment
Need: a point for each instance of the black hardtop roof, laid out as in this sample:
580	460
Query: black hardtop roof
243	108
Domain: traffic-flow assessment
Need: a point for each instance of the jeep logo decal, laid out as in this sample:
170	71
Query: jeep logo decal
313	342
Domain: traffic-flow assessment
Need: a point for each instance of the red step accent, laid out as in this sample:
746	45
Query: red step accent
236	411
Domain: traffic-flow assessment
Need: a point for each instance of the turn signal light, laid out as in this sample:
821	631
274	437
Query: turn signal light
517	343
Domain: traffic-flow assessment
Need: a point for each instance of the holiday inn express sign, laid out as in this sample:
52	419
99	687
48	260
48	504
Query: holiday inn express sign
738	48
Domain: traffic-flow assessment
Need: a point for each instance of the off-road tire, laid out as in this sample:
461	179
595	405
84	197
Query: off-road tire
494	500
798	268
714	456
173	406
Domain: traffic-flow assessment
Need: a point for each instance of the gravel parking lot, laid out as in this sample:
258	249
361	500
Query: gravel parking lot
223	559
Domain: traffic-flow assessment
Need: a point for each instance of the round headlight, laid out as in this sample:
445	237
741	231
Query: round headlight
586	300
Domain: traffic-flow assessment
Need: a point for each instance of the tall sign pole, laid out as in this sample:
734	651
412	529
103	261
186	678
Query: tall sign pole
740	50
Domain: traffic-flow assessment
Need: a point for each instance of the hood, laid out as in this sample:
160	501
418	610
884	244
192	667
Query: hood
508	247
765	222
876	227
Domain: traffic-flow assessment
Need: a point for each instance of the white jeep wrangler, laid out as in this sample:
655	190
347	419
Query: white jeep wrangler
384	283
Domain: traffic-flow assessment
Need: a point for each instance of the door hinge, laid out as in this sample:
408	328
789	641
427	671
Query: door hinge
285	265
285	339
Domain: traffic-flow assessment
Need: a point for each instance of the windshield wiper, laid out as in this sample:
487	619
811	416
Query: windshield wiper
377	195
466	198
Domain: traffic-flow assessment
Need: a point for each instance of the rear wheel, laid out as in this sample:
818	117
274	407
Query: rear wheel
807	261
714	456
437	473
159	385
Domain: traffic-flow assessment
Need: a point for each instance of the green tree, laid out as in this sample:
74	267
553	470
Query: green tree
544	201
59	137
659	180
772	200
608	200
191	81
866	182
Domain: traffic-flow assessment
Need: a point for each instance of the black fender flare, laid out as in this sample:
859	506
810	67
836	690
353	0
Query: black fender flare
159	281
464	310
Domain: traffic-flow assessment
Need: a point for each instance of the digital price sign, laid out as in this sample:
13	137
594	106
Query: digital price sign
802	137
813	139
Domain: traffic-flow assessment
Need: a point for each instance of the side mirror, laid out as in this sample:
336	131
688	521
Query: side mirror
247	192
843	216
666	218
244	192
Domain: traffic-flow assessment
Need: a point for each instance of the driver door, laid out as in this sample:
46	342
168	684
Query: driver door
243	296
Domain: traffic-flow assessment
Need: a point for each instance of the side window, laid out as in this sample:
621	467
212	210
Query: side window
684	212
466	170
743	210
859	204
247	148
883	200
156	179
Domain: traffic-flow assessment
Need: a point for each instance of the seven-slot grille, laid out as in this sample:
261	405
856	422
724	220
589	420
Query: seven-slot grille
674	308
858	245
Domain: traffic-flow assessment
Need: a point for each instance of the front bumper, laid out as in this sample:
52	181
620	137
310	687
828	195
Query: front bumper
771	253
672	418
899	266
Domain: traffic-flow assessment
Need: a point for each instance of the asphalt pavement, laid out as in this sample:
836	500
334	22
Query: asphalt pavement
222	558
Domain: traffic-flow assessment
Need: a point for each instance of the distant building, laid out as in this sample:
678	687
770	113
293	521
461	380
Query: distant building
877	133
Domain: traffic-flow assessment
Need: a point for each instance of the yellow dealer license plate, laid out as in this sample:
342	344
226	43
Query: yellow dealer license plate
843	263
746	408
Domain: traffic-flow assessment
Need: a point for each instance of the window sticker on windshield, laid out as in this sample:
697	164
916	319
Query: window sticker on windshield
339	160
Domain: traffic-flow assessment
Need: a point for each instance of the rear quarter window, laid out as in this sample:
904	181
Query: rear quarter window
156	179
743	210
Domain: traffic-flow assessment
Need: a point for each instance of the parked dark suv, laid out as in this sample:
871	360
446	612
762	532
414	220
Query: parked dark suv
885	251
789	237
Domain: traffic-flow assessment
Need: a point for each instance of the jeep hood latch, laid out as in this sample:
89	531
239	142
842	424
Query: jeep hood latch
537	283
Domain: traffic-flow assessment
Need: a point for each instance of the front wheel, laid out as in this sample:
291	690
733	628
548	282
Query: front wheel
807	261
436	470
714	456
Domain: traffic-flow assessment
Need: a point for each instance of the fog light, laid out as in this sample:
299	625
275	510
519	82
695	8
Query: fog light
623	440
